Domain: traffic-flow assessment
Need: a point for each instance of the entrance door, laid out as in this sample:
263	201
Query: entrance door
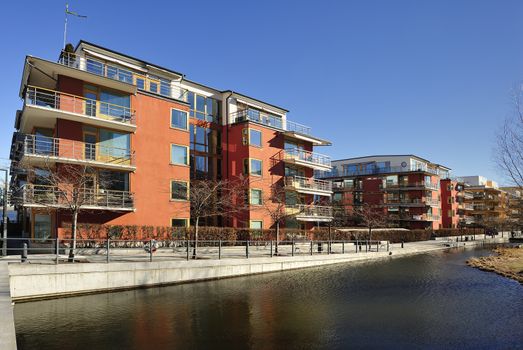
42	227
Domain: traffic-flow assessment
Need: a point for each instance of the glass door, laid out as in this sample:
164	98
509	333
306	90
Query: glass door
90	140
42	227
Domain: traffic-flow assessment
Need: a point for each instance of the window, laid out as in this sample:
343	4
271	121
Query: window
140	83
179	190
178	119
255	138
179	155
252	167
256	197
202	108
337	197
179	222
114	144
165	87
256	224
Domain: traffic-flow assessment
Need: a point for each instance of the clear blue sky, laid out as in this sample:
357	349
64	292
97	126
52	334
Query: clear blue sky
433	78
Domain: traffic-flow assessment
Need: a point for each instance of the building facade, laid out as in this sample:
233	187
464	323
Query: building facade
406	188
147	132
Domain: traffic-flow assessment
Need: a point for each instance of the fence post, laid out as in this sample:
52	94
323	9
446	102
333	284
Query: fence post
387	245
219	249
343	247
377	246
108	247
24	252
187	244
328	247
150	250
247	249
57	249
292	247
311	247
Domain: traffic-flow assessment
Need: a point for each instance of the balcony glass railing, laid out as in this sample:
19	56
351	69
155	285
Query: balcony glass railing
296	154
305	183
142	82
271	120
303	210
376	170
76	104
76	150
42	195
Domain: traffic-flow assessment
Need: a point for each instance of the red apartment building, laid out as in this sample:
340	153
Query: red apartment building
151	132
406	188
455	211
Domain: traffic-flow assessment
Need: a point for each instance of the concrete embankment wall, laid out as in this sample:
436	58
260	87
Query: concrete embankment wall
33	281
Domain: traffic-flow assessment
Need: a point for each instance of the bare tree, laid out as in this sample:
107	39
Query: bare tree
370	217
212	198
508	153
68	187
274	205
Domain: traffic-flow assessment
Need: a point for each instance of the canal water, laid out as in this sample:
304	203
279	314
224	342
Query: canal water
428	301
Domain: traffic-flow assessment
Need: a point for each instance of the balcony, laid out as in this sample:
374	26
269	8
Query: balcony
414	202
289	128
421	217
378	171
310	212
304	158
41	149
308	185
468	195
413	186
466	206
43	106
30	195
128	77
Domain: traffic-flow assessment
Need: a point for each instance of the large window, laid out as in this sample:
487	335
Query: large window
256	197
179	155
114	144
256	224
179	119
113	180
203	108
179	190
252	167
255	138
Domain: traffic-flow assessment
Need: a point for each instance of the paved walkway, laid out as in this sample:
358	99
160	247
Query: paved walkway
7	323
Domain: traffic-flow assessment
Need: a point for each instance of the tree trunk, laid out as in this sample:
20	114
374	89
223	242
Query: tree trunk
277	236
195	237
73	231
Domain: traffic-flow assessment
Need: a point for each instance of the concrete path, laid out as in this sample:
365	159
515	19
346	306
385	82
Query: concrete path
7	323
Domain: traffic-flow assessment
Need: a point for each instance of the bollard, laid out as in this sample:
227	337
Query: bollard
24	253
357	245
292	247
387	245
151	250
271	248
219	249
343	247
402	244
311	247
57	249
377	246
247	249
187	244
108	247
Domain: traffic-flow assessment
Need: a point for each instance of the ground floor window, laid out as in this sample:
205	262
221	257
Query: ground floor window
179	222
256	224
42	226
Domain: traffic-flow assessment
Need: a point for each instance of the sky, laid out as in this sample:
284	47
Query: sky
433	78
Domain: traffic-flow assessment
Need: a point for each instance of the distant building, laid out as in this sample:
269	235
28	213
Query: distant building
406	188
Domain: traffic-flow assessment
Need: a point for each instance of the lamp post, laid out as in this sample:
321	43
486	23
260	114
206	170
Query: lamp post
4	216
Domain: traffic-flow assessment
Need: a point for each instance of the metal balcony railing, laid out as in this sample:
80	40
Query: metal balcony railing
271	120
53	196
413	202
142	82
311	210
378	170
43	146
413	185
305	183
41	97
312	158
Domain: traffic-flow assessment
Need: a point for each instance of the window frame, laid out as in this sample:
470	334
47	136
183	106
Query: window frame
185	219
187	184
186	155
250	223
186	119
249	137
250	196
249	160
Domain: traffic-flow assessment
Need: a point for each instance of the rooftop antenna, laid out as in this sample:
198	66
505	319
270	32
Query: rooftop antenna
67	12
